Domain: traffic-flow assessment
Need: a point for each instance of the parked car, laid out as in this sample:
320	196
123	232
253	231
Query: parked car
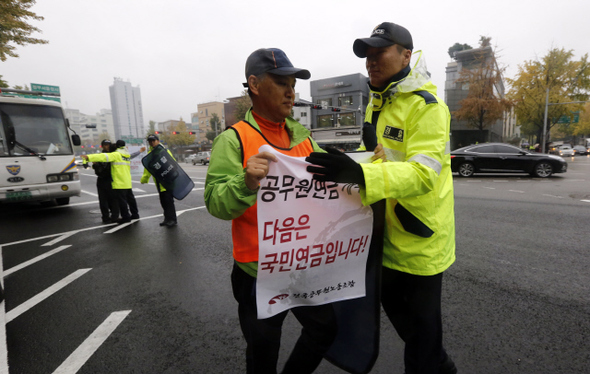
501	158
190	158
566	150
202	158
581	150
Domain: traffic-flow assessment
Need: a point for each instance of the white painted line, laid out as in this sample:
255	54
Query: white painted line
500	181
490	188
89	193
3	345
586	201
23	265
138	190
557	196
475	181
516	191
13	313
79	357
57	240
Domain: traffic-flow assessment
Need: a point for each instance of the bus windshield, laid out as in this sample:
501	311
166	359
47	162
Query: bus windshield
38	129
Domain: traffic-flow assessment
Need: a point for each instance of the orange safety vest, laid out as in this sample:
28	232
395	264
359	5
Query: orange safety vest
245	227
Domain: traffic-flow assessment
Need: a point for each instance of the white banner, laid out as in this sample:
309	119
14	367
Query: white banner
314	239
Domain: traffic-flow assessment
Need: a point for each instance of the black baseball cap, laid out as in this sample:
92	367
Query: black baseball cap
105	142
274	61
384	35
152	137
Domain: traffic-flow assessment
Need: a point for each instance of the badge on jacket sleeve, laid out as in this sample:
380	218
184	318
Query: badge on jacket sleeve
394	133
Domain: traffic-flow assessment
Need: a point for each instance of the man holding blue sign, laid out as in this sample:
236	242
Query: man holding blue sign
166	198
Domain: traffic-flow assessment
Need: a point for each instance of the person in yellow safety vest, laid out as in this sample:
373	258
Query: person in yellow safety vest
413	125
166	198
121	173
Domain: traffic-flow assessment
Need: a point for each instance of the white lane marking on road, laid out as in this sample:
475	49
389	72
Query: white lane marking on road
79	357
490	188
13	313
586	201
90	193
474	181
516	191
23	265
57	240
500	181
549	195
137	190
3	345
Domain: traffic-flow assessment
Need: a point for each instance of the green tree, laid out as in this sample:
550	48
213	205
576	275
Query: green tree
3	83
14	26
458	47
483	107
567	80
152	128
216	129
583	125
243	104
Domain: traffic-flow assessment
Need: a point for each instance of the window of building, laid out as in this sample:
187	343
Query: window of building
345	101
348	119
303	114
325	102
325	121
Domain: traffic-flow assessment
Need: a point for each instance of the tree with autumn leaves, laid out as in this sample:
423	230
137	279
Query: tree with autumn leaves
483	106
14	26
567	80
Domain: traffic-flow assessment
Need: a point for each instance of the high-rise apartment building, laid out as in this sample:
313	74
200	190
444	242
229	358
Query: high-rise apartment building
127	110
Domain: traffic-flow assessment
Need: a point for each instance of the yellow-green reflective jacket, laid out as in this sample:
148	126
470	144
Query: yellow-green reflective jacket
413	126
120	167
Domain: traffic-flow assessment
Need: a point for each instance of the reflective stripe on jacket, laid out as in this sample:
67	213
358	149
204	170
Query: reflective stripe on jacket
120	167
226	194
413	126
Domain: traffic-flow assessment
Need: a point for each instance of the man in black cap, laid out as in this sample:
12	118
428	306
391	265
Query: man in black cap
106	198
235	170
166	198
413	125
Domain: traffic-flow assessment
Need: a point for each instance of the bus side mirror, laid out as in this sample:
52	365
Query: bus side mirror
76	139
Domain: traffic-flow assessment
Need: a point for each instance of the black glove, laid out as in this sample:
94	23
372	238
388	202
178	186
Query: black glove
369	137
336	167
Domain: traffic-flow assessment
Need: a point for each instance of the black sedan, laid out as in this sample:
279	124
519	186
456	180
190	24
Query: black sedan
504	158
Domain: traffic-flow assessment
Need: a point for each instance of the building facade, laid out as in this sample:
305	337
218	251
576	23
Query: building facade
338	110
127	110
92	128
204	115
456	91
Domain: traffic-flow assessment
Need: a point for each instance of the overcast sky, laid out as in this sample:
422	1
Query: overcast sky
185	52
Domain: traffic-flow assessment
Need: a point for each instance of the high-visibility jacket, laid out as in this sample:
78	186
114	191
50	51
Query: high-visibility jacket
120	167
226	194
413	125
146	174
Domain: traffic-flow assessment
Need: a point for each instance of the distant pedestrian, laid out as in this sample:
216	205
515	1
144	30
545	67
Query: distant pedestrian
166	198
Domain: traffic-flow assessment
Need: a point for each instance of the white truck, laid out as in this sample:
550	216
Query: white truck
37	161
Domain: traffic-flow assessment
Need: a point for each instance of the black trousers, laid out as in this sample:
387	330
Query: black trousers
263	336
167	202
106	199
412	304
127	203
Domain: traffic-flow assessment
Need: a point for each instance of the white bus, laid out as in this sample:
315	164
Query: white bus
37	160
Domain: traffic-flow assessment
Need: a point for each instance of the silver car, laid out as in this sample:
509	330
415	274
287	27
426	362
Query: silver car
566	151
202	158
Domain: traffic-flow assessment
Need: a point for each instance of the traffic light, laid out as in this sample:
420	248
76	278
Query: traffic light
192	133
156	132
335	109
175	133
316	107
